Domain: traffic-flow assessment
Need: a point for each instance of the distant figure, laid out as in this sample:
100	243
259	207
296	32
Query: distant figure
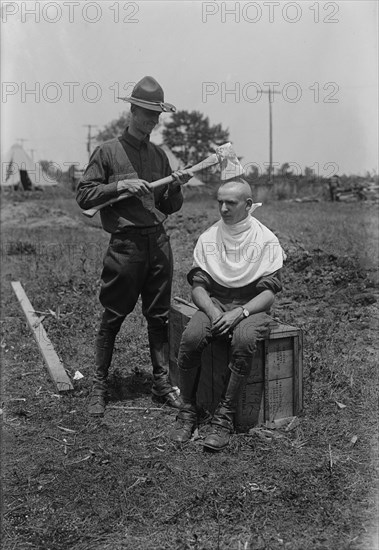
25	180
235	276
334	188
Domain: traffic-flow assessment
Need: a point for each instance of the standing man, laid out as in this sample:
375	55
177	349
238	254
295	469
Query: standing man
235	277
138	261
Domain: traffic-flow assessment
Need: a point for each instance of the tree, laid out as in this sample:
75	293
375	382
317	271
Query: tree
285	170
51	169
114	128
45	165
252	175
190	136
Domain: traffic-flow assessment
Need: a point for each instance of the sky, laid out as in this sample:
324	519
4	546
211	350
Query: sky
63	65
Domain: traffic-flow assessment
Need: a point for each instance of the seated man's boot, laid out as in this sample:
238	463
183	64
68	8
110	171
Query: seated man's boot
186	422
223	419
222	427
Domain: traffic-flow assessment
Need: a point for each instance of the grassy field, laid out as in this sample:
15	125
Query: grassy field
118	483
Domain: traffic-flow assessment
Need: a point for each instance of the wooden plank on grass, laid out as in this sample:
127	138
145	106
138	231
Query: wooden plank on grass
53	363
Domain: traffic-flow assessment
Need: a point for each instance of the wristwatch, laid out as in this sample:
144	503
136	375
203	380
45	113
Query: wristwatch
245	312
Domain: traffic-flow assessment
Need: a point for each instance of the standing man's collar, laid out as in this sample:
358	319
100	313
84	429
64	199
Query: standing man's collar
133	141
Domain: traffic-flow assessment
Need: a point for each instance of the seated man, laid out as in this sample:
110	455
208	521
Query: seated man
236	274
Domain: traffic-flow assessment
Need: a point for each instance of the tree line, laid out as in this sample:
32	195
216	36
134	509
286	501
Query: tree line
191	138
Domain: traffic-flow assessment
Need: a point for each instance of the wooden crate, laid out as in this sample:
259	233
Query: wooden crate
274	388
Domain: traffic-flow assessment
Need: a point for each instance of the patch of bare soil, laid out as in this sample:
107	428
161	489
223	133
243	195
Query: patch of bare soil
33	215
118	482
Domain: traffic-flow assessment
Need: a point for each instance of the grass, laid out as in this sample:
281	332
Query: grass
119	483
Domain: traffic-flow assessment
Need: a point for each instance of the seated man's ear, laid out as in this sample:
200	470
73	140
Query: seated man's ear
249	203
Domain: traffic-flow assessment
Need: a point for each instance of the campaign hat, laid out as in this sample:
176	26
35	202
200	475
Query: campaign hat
147	93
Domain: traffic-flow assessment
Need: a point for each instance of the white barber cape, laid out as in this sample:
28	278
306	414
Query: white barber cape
237	255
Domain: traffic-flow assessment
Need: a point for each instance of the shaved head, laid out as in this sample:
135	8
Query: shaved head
241	188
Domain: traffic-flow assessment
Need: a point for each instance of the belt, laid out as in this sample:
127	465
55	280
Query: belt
135	230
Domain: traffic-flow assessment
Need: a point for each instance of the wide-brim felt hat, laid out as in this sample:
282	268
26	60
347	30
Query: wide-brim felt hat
147	93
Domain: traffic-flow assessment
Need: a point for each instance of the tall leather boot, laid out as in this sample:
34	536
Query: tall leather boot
223	419
187	418
162	391
104	350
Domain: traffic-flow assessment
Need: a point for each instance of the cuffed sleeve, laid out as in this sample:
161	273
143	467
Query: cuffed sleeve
271	282
199	276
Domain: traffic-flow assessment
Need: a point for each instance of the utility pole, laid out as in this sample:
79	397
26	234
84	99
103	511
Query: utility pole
269	92
89	137
32	153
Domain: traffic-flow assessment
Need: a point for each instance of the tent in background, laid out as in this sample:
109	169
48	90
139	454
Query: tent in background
19	171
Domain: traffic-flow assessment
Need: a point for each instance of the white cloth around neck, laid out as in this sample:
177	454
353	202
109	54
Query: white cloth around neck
239	254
